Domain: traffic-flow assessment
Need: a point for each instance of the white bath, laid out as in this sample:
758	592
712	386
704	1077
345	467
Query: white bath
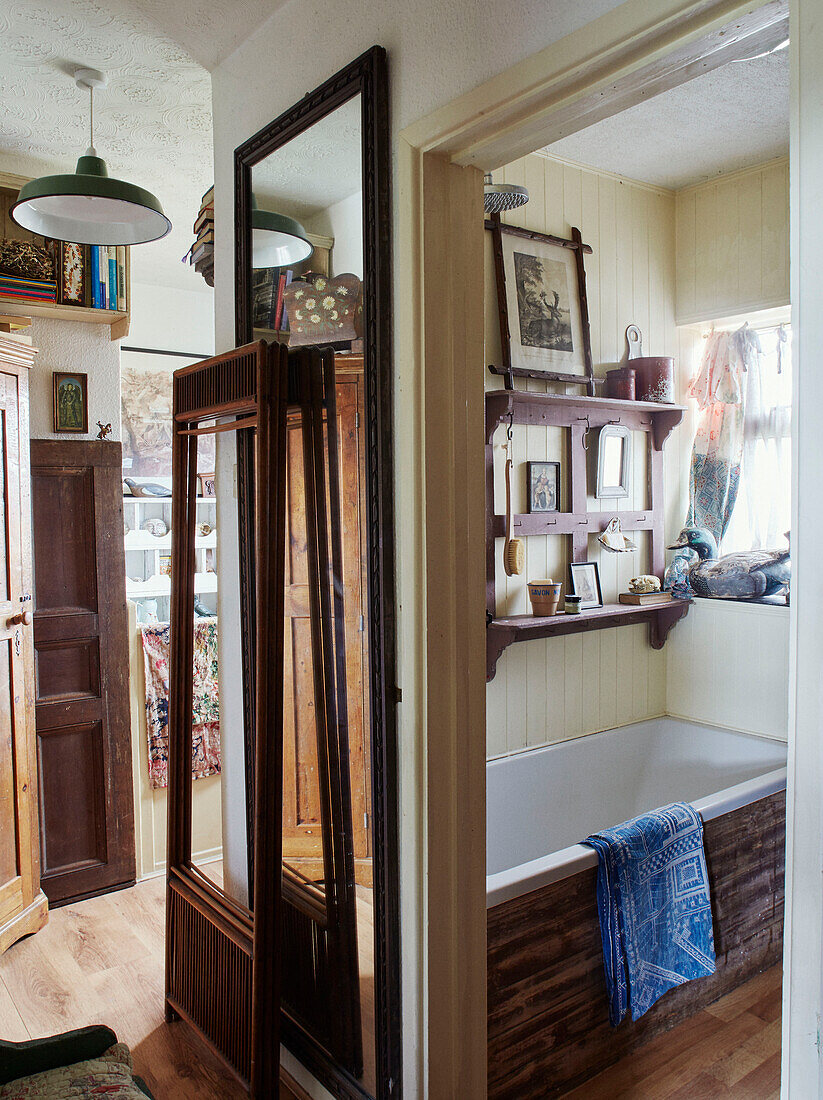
541	804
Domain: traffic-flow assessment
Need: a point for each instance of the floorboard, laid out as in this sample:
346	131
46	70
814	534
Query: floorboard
731	1050
101	961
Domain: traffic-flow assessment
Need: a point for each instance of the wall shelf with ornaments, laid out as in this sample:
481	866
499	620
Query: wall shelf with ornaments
579	415
145	579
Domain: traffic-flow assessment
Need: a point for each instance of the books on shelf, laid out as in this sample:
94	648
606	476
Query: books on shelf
645	599
29	290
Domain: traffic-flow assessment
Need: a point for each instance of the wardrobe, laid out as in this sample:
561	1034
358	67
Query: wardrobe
23	905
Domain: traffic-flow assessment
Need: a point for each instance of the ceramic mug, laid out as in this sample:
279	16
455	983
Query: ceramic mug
545	596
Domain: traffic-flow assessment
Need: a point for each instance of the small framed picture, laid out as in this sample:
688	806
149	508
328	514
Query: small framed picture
165	565
71	405
584	579
544	486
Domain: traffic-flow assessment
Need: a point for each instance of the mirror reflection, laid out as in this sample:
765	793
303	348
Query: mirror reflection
307	258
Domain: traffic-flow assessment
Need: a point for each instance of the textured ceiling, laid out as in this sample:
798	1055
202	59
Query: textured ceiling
319	167
152	123
209	31
728	119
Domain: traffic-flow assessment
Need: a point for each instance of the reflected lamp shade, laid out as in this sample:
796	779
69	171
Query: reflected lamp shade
89	207
277	240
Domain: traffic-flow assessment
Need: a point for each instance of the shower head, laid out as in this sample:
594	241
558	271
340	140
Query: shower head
498	197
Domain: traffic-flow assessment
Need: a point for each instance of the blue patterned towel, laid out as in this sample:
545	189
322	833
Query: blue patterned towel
654	907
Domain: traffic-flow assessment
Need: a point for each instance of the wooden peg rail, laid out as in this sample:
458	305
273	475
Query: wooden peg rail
580	415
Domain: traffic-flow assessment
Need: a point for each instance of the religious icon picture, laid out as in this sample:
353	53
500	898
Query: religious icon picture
71	405
544	486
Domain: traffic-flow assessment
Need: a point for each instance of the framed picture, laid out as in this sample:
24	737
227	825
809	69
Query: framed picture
71	405
164	565
544	486
541	295
584	578
72	265
614	461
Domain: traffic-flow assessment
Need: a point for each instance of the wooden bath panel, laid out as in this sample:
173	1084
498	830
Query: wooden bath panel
549	1025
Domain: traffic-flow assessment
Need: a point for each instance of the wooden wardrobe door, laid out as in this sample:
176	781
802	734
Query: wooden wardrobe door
81	645
302	836
23	907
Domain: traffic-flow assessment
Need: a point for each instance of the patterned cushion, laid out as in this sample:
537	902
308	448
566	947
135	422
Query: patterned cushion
108	1076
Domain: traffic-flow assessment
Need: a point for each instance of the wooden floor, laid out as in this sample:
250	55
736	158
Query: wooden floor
101	961
731	1049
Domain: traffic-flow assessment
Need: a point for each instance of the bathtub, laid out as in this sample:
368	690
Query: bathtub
548	1015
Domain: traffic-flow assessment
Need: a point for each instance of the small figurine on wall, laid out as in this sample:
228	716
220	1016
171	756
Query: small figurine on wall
105	430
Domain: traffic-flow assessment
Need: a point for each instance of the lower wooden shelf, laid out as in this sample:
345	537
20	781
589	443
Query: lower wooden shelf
117	320
501	633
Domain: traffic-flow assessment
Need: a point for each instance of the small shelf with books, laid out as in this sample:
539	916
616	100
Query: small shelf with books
71	295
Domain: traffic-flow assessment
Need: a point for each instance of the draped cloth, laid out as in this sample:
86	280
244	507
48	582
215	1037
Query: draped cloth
205	701
720	388
654	907
730	362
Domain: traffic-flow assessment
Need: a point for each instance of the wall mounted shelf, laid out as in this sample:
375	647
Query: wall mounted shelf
579	414
501	633
114	318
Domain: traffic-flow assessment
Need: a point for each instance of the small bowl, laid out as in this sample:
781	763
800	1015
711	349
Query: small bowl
545	596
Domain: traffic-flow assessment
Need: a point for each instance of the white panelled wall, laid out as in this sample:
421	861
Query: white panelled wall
724	664
733	244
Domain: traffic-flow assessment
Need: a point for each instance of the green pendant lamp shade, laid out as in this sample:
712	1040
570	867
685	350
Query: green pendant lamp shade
88	206
277	240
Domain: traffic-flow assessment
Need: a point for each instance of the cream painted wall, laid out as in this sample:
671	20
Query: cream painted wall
67	346
344	222
557	688
733	243
728	665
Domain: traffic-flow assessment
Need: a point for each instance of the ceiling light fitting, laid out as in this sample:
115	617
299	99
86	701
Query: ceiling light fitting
88	206
277	240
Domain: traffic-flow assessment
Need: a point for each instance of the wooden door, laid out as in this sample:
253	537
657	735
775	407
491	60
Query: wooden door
302	838
81	644
23	907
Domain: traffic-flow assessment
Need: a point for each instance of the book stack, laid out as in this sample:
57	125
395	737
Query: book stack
201	253
28	290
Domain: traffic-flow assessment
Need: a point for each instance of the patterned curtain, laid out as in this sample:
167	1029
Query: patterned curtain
720	387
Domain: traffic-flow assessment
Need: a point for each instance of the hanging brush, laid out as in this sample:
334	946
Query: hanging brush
514	550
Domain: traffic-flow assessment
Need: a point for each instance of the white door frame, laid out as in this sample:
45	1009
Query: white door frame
640	48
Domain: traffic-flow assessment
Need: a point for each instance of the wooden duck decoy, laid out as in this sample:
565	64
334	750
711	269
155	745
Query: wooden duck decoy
743	576
149	489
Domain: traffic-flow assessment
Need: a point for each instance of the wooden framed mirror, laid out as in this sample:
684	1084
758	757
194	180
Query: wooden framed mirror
319	174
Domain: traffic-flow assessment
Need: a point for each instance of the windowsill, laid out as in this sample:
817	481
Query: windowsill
764	601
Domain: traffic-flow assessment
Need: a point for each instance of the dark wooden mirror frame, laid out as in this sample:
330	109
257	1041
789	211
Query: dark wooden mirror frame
367	76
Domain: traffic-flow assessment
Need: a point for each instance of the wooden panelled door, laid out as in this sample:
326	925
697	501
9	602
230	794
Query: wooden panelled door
81	643
302	834
23	907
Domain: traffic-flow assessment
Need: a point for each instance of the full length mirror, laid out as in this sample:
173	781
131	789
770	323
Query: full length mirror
312	271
